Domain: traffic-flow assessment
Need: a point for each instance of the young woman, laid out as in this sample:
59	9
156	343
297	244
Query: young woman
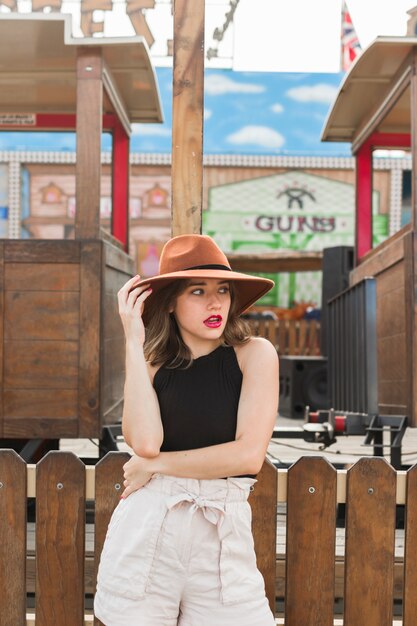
201	398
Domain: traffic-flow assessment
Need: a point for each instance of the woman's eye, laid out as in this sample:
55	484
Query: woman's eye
197	292
224	290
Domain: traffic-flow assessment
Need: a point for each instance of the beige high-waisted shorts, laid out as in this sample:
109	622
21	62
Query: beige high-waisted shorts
180	552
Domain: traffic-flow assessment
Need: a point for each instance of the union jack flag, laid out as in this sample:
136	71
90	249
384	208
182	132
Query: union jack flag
351	47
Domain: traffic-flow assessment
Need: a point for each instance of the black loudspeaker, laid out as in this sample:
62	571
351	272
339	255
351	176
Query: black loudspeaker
337	264
303	382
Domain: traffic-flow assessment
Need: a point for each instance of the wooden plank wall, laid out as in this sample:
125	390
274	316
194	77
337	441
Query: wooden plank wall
40	293
389	264
392	342
63	346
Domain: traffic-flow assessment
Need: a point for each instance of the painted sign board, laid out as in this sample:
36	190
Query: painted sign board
289	211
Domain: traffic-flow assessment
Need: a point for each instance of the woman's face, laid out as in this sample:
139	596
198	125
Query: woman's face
202	309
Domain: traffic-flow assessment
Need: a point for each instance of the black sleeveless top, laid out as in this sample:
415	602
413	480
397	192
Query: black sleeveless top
199	404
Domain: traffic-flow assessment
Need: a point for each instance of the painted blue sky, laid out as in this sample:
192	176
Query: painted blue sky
264	113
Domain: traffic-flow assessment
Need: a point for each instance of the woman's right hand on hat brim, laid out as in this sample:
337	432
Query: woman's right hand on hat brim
131	301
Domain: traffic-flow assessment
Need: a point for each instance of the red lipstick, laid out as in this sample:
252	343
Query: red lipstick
214	321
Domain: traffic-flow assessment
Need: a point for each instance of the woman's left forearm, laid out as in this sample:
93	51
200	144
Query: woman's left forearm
227	459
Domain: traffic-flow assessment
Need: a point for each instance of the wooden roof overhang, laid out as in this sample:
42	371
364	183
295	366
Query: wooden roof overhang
50	80
375	108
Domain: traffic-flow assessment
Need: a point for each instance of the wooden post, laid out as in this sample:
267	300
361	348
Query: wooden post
264	526
413	124
89	128
370	543
108	489
410	553
187	116
13	538
60	539
311	532
411	270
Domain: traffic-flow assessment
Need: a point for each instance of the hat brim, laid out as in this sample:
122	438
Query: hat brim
249	288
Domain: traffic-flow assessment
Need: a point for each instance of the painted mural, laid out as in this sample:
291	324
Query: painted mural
246	209
48	209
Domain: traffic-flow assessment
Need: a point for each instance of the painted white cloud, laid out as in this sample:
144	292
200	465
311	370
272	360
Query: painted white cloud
155	130
207	114
217	85
257	136
323	93
277	108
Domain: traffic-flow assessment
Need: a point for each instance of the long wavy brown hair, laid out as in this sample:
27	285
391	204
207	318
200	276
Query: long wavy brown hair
164	344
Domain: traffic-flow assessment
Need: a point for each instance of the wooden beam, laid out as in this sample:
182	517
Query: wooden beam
283	261
390	140
116	98
187	116
411	267
89	129
413	123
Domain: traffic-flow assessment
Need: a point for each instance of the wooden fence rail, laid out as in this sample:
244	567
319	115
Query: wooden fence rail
290	337
57	555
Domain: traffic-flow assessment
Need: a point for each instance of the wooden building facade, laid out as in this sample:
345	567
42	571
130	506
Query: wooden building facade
385	118
61	337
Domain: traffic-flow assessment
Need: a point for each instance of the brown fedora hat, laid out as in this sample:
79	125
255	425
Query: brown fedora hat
198	256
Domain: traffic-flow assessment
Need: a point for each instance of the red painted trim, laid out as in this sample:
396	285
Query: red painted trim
363	230
120	185
390	140
60	121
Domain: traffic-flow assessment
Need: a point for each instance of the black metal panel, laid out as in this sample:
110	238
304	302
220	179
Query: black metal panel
352	349
337	264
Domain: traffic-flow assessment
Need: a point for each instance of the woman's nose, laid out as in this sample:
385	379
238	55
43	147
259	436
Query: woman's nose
214	301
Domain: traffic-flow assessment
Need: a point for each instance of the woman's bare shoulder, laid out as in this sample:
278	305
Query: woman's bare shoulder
255	350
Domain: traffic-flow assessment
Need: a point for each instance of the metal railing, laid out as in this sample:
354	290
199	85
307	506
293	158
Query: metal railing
352	349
